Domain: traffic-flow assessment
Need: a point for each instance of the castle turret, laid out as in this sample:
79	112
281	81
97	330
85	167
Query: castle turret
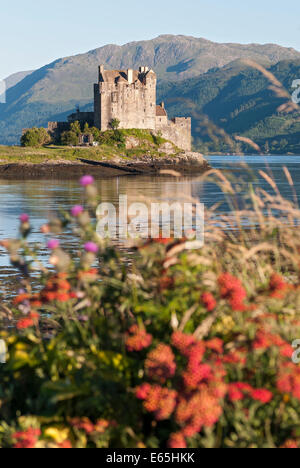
130	76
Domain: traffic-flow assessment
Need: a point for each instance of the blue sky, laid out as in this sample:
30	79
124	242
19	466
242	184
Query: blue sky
34	33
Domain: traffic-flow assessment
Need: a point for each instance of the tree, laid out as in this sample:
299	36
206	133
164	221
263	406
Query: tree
75	128
69	138
114	124
35	138
87	130
96	133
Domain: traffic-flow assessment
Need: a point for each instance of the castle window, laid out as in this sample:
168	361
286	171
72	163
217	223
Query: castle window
114	97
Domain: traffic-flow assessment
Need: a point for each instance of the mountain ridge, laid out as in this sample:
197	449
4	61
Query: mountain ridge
54	90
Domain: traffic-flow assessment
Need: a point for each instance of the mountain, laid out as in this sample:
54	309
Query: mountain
14	79
53	91
239	100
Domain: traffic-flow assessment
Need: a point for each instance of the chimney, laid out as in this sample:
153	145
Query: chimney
130	76
162	105
101	71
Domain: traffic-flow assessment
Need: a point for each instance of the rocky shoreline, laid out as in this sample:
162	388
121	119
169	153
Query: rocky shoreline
187	163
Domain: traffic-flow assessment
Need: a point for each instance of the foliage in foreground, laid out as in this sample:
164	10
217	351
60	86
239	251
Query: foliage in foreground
175	348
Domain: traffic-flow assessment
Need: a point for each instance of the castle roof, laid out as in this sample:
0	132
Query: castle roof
161	112
118	76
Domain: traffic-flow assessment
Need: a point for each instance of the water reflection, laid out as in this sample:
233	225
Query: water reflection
40	199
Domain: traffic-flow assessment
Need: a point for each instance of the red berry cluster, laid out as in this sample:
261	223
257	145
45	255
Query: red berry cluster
288	379
231	288
209	301
239	391
197	401
158	400
137	339
265	340
160	363
86	425
278	287
26	439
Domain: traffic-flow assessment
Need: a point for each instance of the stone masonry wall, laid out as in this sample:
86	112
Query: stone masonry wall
178	130
134	105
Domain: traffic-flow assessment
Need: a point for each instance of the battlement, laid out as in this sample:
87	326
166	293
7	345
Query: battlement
126	95
129	96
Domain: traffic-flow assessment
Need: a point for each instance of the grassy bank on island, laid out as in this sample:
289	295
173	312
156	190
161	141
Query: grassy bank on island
121	144
120	152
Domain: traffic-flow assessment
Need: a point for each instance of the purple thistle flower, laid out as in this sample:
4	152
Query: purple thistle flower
24	218
91	247
77	210
53	244
86	180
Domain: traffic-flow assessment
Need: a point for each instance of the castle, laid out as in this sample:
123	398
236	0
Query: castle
130	97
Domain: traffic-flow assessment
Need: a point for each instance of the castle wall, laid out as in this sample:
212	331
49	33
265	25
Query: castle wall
133	104
178	131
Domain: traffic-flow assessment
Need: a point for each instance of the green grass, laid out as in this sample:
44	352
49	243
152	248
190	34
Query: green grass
149	145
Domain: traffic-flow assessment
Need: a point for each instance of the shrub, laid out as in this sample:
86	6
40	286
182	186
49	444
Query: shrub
69	138
35	138
175	348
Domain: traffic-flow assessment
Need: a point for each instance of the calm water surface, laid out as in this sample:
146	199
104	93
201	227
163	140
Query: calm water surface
42	198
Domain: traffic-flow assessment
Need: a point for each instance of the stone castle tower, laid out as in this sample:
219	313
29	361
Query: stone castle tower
130	96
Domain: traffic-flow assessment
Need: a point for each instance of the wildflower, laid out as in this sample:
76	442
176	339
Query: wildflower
183	342
163	240
197	410
101	426
165	283
245	387
137	339
215	345
235	357
21	298
57	288
24	218
290	444
62	297
195	374
262	395
91	247
143	391
265	340
27	439
65	445
77	210
25	323
158	400
235	394
53	244
177	441
287	351
278	287
45	229
231	288
209	301
87	180
288	379
83	424
160	363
